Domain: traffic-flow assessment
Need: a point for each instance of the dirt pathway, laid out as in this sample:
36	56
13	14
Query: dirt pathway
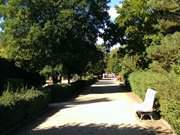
105	109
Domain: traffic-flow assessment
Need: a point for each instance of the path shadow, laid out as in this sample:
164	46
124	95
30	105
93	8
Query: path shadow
95	89
106	86
104	82
76	102
52	109
94	129
91	101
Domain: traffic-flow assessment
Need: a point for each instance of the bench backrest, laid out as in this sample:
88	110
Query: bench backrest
149	98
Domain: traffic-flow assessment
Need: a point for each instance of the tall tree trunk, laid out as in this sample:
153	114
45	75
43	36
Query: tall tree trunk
60	79
69	78
80	77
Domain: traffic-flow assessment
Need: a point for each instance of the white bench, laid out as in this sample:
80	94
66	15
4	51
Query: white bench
146	108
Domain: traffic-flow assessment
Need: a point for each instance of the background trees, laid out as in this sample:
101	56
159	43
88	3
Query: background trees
113	62
60	36
149	31
50	33
165	50
136	21
135	30
149	53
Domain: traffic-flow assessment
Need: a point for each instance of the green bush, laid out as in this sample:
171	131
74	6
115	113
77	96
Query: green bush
65	92
17	107
168	53
60	93
129	65
167	85
14	84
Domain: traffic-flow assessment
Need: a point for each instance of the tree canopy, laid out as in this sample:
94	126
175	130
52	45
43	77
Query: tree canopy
40	33
149	30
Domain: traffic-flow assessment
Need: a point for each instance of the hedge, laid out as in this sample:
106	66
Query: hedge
65	92
19	107
167	85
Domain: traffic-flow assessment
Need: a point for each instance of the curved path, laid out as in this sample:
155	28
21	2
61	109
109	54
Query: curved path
104	109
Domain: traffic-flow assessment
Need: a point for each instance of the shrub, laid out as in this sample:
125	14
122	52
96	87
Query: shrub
65	92
17	107
47	71
129	65
14	84
168	53
60	93
168	95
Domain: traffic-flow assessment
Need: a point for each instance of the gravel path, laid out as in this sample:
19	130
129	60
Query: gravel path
104	109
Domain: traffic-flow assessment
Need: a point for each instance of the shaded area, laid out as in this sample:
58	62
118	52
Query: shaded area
30	125
76	102
15	77
90	101
104	89
105	82
106	86
53	109
94	129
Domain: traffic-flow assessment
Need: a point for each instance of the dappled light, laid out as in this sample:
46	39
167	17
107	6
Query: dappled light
95	129
97	113
107	86
84	66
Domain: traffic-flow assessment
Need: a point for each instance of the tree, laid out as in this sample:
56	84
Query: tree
39	33
98	67
113	62
136	21
166	52
112	35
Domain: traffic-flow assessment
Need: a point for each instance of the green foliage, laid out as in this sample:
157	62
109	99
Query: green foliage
20	107
14	84
60	93
47	71
166	13
130	64
150	41
53	32
98	66
167	85
122	65
58	68
113	62
176	69
156	67
168	53
148	23
136	20
170	5
13	77
88	76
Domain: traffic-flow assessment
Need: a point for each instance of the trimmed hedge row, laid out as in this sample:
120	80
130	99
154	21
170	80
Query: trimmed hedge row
19	107
167	85
60	93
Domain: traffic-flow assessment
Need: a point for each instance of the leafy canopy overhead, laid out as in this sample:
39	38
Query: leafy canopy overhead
43	32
